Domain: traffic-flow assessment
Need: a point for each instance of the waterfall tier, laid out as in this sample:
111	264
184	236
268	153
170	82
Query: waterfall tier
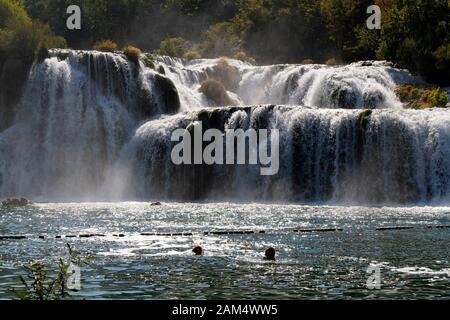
383	156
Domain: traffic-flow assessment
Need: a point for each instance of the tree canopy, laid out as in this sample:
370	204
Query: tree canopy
415	33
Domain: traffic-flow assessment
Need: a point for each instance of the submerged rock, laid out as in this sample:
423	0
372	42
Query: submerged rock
16	202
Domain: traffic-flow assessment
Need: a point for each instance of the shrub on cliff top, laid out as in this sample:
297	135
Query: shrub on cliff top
331	62
215	91
105	46
132	53
228	75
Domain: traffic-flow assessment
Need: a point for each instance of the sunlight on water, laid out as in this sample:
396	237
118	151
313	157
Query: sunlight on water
414	262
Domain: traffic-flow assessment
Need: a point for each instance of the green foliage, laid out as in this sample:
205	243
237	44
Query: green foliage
215	91
11	12
438	98
422	97
105	46
40	285
20	36
416	34
346	25
132	53
174	47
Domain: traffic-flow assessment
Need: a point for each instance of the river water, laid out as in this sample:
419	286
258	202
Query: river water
413	263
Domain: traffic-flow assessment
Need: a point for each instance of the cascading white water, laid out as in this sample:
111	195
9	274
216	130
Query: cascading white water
369	84
388	156
95	126
77	111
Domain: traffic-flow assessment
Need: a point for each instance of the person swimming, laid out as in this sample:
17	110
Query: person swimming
270	254
198	251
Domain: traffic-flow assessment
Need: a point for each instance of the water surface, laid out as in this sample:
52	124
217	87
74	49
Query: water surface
414	263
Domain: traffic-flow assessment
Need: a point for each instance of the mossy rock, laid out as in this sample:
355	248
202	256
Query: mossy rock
364	118
148	61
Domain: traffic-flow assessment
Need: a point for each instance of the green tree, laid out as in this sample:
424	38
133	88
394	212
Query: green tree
416	34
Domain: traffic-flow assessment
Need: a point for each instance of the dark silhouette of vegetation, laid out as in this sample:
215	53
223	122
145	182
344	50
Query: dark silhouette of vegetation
415	33
39	283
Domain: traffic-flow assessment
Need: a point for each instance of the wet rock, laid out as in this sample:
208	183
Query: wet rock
168	94
16	202
162	70
156	204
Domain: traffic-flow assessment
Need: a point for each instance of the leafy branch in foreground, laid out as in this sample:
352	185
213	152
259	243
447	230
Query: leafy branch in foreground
40	285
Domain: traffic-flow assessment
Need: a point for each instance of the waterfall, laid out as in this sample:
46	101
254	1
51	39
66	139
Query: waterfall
384	156
94	126
77	111
368	84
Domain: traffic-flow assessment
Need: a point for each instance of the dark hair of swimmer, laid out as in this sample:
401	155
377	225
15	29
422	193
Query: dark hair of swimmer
198	251
270	254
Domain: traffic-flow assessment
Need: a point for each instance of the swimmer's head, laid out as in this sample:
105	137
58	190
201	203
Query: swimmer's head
270	254
198	251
